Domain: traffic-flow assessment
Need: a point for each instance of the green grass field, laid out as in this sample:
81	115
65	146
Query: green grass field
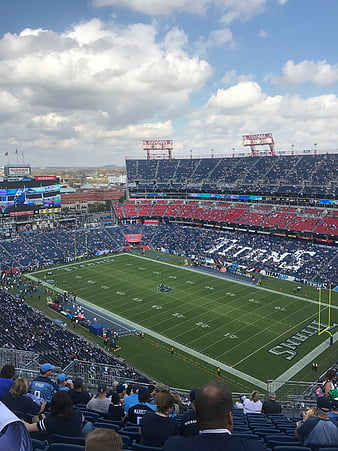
236	325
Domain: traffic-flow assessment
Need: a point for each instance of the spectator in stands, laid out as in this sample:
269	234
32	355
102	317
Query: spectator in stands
188	423
6	379
157	427
42	385
61	380
319	429
333	415
136	412
16	399
79	394
121	391
100	403
64	419
116	411
253	404
131	399
103	439
214	416
239	404
271	405
330	382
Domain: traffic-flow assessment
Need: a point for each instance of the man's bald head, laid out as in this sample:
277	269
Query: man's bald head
214	406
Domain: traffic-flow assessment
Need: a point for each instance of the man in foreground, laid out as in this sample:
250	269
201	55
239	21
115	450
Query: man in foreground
213	406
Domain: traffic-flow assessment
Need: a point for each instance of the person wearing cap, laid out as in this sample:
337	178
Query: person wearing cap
62	381
188	423
318	429
136	412
78	394
42	385
333	415
100	403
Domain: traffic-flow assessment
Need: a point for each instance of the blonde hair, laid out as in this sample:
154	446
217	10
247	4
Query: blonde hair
254	396
19	388
103	439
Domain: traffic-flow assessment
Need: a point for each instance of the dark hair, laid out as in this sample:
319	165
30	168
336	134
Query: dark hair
330	374
103	439
115	398
164	401
213	403
7	371
61	405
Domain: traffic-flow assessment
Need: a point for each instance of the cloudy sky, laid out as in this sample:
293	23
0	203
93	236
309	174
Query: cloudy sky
83	82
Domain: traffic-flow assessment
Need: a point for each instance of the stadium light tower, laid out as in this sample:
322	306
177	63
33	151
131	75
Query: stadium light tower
158	148
315	144
260	139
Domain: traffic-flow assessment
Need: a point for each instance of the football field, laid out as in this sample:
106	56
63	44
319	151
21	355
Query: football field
253	330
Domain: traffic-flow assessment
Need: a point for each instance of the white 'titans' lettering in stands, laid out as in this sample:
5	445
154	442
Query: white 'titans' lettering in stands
287	349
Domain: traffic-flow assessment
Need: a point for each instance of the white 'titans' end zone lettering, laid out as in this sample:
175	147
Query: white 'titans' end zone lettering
288	348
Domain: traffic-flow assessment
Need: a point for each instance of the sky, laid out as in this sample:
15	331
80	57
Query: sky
84	82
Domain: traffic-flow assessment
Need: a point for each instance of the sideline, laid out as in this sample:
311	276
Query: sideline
284	377
181	347
304	361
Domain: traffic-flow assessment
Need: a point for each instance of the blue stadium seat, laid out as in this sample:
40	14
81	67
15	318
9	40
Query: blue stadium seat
58	438
39	445
103	424
292	448
65	447
138	447
126	440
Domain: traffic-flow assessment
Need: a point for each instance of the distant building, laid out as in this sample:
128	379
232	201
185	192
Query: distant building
88	195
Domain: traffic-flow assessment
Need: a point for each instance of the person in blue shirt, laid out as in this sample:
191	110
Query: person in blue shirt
132	399
6	379
42	385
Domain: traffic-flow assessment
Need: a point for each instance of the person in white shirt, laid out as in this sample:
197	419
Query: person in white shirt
253	404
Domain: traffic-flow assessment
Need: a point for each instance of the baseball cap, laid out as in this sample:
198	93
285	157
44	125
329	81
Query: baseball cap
334	404
61	377
46	367
101	388
120	388
324	404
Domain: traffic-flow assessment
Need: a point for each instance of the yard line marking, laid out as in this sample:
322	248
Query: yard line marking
175	344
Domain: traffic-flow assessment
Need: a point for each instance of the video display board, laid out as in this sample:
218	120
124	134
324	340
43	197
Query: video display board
19	198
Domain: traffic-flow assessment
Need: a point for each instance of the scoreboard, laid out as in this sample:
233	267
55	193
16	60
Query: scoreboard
30	196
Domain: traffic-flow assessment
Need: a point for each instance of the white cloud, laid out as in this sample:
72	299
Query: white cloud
262	33
229	10
215	38
238	97
73	90
319	73
245	108
158	7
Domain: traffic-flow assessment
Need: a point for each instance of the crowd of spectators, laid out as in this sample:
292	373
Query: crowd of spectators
274	255
22	327
297	174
